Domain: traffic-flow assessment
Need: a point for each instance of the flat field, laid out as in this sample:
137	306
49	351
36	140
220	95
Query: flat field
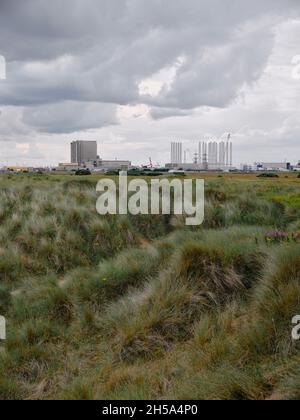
123	307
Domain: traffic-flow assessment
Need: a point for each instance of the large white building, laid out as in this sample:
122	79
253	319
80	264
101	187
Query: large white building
176	153
216	155
210	156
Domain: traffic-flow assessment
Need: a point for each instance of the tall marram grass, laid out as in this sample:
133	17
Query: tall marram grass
146	308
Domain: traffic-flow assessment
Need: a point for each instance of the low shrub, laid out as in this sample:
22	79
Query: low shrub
268	175
83	172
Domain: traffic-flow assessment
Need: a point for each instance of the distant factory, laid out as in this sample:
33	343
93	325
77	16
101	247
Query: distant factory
206	156
209	156
275	166
271	167
84	154
83	151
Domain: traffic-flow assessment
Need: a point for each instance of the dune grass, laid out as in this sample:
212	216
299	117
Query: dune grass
146	308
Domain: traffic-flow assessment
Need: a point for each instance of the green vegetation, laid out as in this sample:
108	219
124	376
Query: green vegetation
268	175
144	307
83	172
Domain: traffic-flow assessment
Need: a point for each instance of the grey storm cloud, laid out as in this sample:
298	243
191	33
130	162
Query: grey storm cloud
68	117
70	63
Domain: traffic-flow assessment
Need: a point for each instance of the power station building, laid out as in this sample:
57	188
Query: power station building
84	154
210	156
101	165
274	166
83	151
176	153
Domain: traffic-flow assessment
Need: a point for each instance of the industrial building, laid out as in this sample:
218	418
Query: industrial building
109	165
176	153
84	154
83	151
277	166
297	167
210	156
68	167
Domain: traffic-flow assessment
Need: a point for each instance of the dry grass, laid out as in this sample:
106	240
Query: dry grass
141	308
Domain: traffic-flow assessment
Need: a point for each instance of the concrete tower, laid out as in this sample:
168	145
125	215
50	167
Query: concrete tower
222	154
176	153
200	151
211	152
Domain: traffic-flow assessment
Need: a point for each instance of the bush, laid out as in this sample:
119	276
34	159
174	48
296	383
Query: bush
83	172
268	175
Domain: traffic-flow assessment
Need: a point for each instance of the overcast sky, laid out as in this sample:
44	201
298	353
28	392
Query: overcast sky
137	74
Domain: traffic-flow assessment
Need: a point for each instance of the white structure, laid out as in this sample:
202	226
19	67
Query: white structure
222	153
276	166
210	156
217	155
204	154
297	167
109	165
176	153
